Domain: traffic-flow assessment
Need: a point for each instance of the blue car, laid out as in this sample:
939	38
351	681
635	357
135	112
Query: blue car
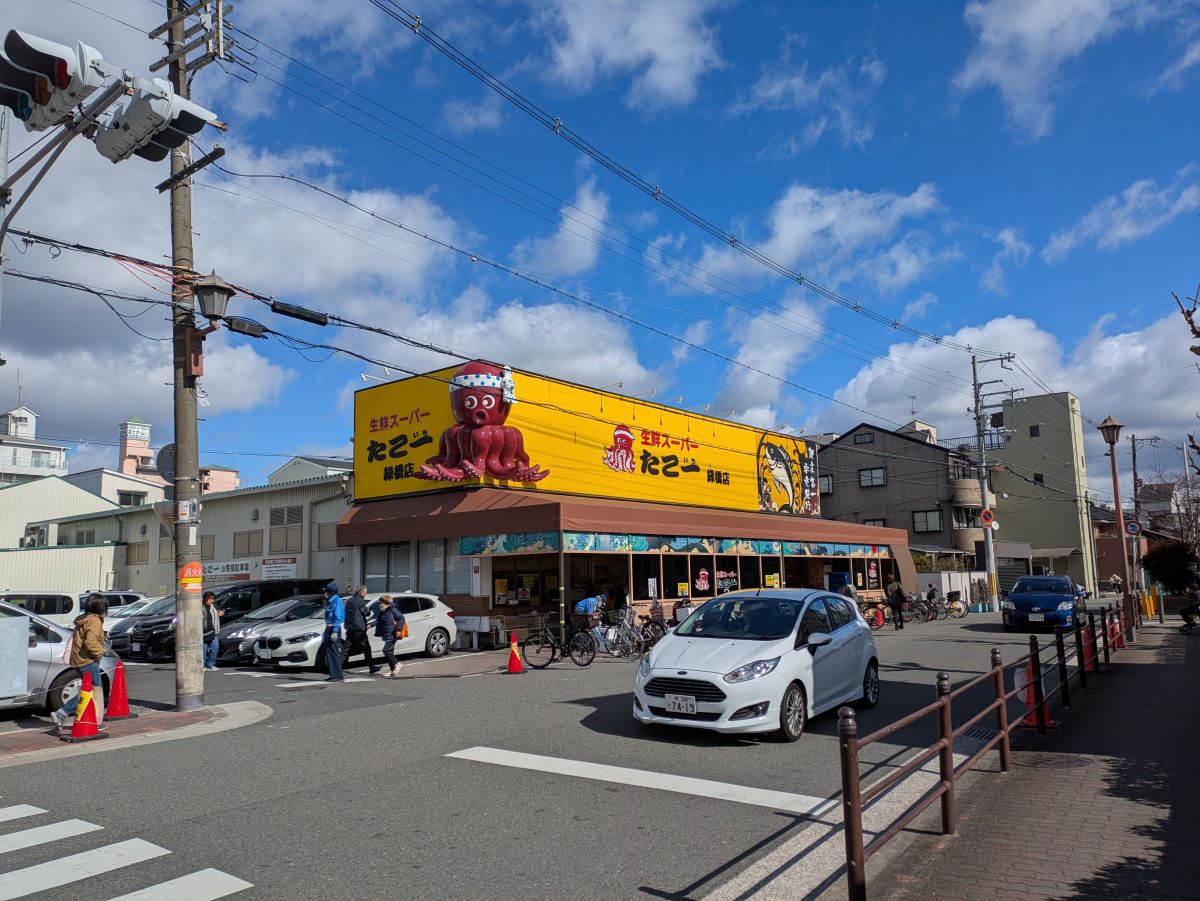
1041	601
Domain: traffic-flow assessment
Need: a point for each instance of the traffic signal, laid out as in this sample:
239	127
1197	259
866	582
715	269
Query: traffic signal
155	121
42	81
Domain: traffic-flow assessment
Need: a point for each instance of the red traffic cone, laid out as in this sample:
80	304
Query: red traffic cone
514	657
118	704
1024	680
1119	630
1090	663
86	726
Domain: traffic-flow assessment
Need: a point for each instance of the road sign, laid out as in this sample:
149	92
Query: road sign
987	517
165	462
191	577
995	526
1133	527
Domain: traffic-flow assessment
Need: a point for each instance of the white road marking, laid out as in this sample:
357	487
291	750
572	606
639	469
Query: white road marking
204	885
65	870
685	785
17	811
39	835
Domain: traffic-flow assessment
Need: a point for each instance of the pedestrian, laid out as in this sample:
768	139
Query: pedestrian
896	599
848	591
212	629
1114	582
335	616
356	628
389	625
1192	610
87	649
931	594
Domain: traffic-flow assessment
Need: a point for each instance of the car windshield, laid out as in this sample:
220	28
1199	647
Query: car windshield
743	618
130	610
279	608
1052	586
162	606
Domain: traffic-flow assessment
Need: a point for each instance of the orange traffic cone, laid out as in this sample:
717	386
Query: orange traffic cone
1090	663
514	657
118	704
1024	680
86	726
1119	631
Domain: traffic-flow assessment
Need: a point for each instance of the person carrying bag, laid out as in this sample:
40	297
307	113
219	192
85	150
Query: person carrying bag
391	627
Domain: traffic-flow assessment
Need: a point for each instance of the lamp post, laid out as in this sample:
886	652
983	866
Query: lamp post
1111	430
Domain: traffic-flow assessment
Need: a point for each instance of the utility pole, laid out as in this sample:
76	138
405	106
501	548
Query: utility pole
189	662
1188	533
989	549
4	197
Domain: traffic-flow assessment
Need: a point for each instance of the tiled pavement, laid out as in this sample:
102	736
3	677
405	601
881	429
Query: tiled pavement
1107	806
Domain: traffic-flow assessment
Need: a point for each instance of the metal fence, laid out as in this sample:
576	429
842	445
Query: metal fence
1092	648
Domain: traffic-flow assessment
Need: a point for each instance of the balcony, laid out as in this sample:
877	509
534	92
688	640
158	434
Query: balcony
964	539
965	493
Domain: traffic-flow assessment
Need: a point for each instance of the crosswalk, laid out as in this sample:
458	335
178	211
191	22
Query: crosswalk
57	872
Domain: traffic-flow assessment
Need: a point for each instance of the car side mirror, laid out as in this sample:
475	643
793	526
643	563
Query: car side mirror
819	640
33	641
1004	595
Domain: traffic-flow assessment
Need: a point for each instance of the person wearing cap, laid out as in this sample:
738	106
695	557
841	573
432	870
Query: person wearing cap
335	616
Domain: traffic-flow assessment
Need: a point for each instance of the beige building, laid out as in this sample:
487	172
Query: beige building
1041	485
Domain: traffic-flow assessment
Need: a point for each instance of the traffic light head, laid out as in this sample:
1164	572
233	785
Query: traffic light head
155	121
53	78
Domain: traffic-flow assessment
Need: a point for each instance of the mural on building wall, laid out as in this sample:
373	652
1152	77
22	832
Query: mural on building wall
787	476
481	396
508	543
827	549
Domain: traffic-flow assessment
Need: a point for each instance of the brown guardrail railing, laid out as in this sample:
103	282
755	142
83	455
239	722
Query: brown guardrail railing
1089	643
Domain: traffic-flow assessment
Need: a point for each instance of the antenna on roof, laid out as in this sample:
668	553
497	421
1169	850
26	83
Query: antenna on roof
912	404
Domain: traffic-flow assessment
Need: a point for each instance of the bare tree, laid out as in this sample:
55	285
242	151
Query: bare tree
1190	315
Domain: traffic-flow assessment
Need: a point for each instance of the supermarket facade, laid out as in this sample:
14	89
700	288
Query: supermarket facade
508	492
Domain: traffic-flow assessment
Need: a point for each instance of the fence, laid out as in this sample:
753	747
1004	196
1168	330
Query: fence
1089	644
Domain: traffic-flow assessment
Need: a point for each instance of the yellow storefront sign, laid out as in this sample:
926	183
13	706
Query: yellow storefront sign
481	424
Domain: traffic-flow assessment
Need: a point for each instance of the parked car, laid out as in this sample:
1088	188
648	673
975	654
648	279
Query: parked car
759	662
118	631
117	600
52	605
50	681
301	643
153	638
1041	601
112	620
236	642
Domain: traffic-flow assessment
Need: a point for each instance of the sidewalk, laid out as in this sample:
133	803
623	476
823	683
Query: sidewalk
1106	806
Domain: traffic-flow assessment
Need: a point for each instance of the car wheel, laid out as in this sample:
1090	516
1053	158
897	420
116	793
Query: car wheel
61	689
437	643
793	713
870	695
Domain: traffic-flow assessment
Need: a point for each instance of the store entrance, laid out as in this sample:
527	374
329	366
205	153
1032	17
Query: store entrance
590	573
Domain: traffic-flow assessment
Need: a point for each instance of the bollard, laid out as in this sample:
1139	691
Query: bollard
1079	654
856	865
1063	680
946	734
1001	711
1105	632
1039	694
1095	642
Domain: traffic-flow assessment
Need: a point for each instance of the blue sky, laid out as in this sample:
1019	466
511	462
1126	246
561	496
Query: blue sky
1020	175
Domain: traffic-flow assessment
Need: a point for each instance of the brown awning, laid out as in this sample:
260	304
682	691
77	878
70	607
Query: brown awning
488	511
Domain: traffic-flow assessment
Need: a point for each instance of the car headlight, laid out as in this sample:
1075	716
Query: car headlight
301	639
1008	605
755	670
644	667
1067	605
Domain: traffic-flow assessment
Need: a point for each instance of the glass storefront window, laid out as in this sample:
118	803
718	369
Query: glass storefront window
458	574
647	580
750	574
676	576
703	579
431	566
387	567
772	571
727	574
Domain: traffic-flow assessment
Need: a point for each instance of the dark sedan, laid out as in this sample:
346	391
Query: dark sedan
237	639
119	627
1041	601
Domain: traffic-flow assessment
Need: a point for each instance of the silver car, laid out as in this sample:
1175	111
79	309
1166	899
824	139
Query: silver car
50	681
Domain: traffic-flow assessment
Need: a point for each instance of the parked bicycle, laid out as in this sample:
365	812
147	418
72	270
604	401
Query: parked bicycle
543	647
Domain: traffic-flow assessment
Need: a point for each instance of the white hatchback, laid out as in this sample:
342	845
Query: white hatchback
300	643
759	662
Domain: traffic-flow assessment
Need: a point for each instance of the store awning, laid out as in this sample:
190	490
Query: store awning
1054	553
487	511
934	549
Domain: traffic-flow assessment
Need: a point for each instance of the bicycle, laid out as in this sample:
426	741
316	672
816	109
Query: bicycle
874	613
542	647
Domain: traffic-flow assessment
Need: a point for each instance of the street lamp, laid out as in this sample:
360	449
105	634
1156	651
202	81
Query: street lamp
1111	430
212	295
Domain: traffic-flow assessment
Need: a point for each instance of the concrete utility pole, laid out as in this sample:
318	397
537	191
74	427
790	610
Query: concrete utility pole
5	125
1187	533
189	662
989	549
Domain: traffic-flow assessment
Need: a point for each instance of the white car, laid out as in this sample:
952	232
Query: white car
759	662
300	643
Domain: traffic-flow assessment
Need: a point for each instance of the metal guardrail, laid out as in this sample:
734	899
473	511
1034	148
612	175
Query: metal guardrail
854	796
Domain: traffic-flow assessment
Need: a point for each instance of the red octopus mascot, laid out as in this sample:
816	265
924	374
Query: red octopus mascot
481	395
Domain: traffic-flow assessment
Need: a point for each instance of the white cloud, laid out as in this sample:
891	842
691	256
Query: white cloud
1012	250
915	309
463	117
1139	210
1023	46
667	46
573	249
1182	69
838	98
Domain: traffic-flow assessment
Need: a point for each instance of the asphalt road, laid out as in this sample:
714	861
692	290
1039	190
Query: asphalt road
347	790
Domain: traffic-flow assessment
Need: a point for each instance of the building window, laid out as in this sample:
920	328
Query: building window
1035	431
431	566
826	483
966	518
247	544
43	460
208	547
327	536
85	536
960	469
166	550
387	567
131	498
871	478
864	438
1039	479
927	520
286	526
137	553
874	522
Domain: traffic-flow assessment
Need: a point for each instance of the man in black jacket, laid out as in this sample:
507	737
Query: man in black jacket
356	628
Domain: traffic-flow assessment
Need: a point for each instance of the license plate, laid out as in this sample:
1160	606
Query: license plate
135	646
681	704
264	653
1037	617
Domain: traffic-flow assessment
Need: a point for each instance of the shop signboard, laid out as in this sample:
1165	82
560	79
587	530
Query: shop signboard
279	568
482	424
222	573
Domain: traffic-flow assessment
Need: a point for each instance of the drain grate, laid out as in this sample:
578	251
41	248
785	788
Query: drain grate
1050	761
980	734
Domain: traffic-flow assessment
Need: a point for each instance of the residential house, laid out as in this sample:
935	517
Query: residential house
22	456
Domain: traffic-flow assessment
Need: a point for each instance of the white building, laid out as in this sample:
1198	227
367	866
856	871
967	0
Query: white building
309	468
118	487
22	456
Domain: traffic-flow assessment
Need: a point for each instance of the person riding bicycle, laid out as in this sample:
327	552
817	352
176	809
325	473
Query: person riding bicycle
848	591
593	609
1192	610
